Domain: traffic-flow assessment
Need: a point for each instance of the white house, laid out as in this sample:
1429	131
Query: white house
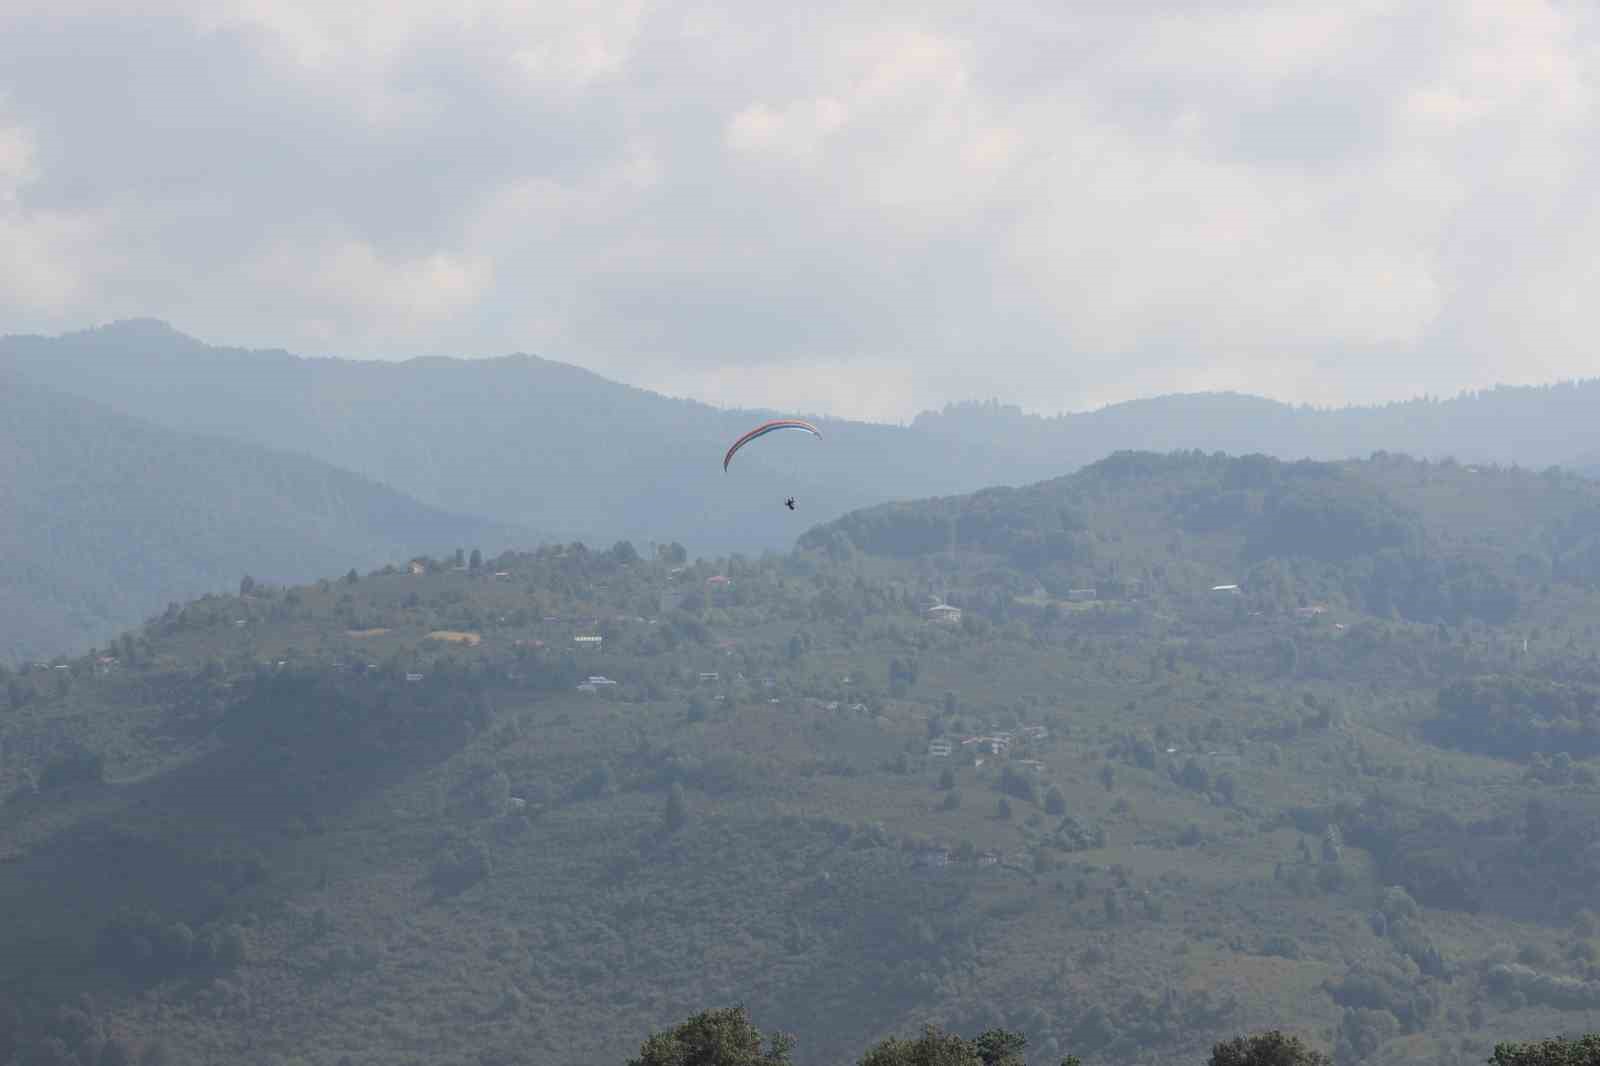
994	745
944	613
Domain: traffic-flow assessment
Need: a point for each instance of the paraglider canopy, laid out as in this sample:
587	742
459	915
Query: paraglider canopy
769	427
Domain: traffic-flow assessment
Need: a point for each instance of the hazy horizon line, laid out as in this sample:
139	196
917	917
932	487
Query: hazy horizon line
1464	393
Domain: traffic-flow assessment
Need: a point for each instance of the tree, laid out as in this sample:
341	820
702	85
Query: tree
1015	783
352	577
476	560
1272	1048
1002	809
934	1047
1055	801
947	779
997	1047
1194	776
247	585
596	784
722	1037
1582	1051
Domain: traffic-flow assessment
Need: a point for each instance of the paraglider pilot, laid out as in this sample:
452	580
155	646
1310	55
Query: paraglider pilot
789	503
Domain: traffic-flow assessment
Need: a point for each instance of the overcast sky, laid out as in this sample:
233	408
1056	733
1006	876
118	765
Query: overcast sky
864	209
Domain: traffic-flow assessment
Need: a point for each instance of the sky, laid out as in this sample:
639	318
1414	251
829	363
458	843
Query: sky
861	209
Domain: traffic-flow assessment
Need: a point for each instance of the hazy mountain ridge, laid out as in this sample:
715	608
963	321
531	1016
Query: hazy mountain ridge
1533	426
108	518
517	437
551	445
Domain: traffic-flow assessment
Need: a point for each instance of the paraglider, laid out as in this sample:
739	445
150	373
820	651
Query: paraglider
765	428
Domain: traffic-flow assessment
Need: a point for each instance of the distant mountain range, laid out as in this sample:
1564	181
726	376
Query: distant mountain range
1531	426
107	518
517	438
551	447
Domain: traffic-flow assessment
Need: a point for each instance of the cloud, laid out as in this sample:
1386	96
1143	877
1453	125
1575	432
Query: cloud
864	209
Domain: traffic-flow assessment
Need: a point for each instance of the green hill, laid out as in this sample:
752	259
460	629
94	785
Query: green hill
1391	537
411	817
108	519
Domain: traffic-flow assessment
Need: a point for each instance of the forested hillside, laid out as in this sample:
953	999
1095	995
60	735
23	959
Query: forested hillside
107	519
1127	763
